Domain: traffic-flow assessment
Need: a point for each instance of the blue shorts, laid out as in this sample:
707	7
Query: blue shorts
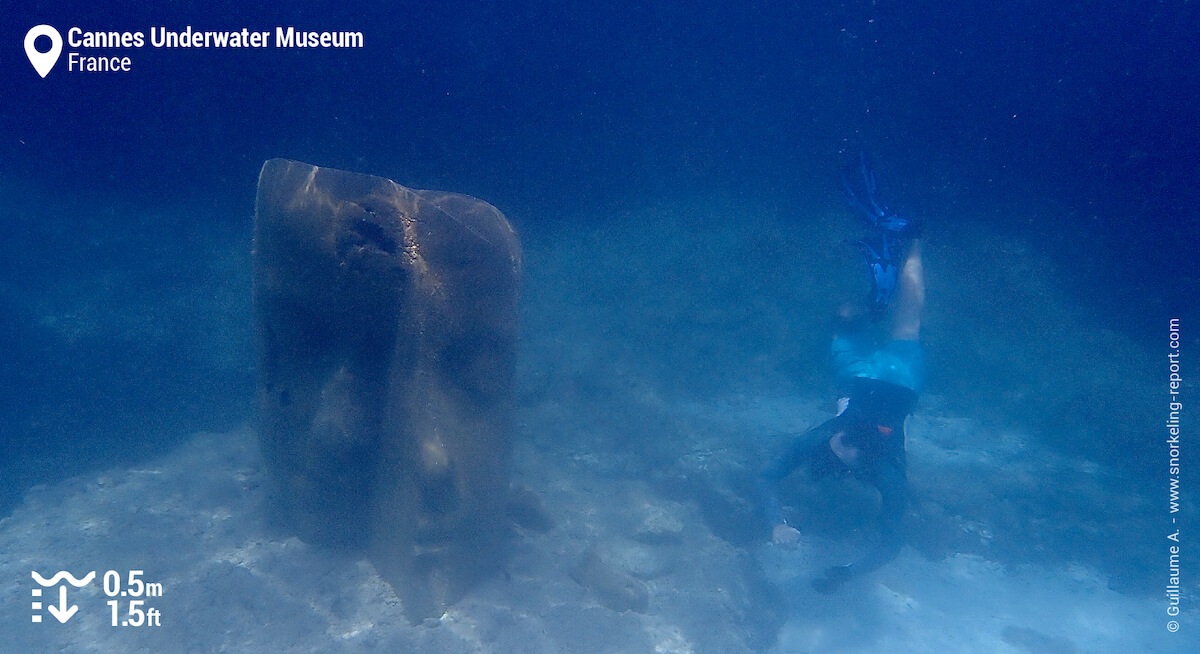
897	362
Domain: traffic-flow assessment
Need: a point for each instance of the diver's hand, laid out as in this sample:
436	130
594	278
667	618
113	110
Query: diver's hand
833	579
785	536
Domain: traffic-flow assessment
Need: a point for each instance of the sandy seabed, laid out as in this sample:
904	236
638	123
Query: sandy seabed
648	484
194	521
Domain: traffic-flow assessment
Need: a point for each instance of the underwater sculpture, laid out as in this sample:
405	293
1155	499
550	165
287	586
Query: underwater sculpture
386	328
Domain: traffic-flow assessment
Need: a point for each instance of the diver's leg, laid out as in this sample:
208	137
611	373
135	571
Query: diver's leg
892	483
910	297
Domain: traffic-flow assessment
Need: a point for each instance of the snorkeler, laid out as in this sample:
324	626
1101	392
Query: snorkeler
879	372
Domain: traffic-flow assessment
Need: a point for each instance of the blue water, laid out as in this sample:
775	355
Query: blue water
1050	148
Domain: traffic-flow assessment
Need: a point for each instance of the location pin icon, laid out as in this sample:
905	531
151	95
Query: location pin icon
43	61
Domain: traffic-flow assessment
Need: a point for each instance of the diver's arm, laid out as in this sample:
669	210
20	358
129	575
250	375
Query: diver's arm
782	534
768	480
801	449
811	447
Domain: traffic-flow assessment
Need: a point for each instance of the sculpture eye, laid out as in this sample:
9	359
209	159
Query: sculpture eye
376	234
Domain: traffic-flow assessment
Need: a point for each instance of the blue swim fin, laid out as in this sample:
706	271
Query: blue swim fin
885	248
883	259
860	190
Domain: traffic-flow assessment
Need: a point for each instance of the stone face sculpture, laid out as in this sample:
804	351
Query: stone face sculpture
386	326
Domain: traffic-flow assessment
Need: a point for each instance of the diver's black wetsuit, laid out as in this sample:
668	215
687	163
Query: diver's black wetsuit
873	422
